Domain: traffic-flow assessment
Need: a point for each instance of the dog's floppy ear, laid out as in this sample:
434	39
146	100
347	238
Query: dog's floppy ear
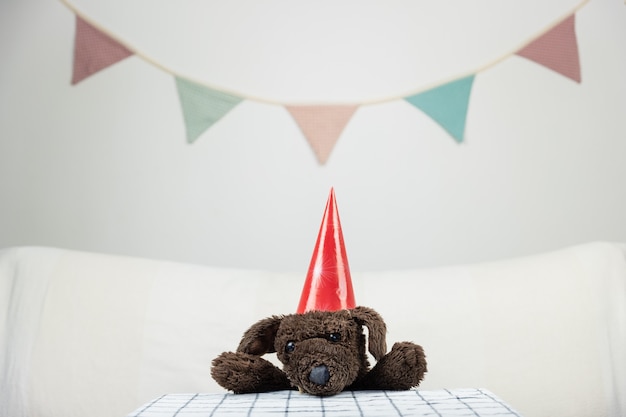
259	339
376	327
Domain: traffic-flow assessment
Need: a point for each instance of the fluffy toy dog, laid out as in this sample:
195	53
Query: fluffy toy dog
322	353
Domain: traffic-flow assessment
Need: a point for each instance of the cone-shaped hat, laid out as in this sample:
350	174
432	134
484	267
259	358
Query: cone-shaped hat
328	285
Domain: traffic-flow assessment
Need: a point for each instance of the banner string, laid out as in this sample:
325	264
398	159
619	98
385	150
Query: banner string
373	101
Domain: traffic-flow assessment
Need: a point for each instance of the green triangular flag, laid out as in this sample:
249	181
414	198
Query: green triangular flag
447	105
202	106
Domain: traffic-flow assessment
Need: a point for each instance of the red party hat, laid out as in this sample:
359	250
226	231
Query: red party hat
328	285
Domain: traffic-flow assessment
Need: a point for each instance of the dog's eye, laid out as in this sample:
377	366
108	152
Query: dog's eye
334	337
290	347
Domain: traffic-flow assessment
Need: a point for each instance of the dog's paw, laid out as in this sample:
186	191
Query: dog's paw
400	369
409	362
244	373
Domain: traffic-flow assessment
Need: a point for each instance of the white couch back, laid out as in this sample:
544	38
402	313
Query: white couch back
98	335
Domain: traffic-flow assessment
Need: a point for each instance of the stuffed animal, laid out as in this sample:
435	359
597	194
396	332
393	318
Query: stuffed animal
322	347
322	352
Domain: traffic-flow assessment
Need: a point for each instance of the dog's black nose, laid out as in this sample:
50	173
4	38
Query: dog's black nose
319	375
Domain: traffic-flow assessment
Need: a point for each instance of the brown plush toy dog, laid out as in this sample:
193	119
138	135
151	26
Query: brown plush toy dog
322	353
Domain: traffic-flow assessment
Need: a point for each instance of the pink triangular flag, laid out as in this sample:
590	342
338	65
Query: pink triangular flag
94	50
557	49
322	125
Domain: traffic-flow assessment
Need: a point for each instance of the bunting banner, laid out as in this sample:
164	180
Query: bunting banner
447	105
94	50
556	49
322	125
202	106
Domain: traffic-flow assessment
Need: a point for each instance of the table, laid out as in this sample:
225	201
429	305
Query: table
410	403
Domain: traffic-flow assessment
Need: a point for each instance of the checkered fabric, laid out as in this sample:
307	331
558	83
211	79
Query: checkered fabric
411	403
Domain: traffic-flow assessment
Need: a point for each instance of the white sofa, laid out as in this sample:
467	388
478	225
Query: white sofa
96	335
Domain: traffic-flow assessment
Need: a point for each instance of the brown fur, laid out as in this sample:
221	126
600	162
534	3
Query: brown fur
339	364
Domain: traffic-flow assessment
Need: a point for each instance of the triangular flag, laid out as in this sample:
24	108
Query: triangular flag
94	51
447	105
202	106
557	49
322	125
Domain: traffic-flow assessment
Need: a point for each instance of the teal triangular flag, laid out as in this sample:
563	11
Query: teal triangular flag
447	105
202	106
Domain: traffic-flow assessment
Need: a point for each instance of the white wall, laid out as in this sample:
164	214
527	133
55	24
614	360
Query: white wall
104	166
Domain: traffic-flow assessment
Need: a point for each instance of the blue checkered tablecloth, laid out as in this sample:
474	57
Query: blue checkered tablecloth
411	403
